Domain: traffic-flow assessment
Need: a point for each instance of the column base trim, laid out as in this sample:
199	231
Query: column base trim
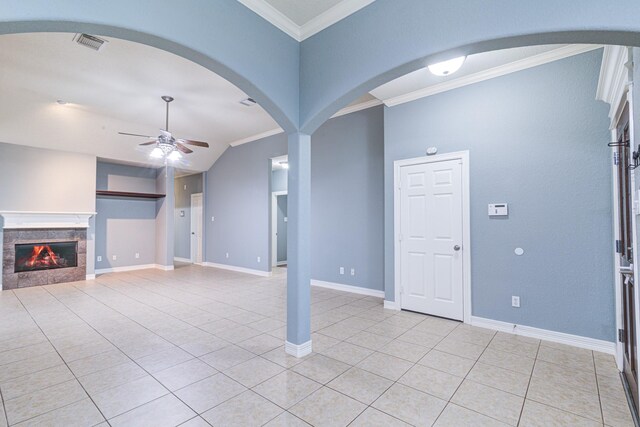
391	305
298	350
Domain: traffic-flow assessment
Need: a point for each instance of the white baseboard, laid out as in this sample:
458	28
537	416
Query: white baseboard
297	350
90	277
544	334
133	268
182	259
391	305
347	288
238	269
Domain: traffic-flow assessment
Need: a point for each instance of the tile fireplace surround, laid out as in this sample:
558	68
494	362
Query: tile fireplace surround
43	227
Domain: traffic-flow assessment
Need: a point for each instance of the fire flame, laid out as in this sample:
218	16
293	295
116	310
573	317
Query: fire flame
42	255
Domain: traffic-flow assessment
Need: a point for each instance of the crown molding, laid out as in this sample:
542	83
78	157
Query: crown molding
614	79
346	110
314	26
511	67
274	16
331	16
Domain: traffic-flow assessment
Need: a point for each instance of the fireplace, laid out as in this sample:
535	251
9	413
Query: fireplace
45	256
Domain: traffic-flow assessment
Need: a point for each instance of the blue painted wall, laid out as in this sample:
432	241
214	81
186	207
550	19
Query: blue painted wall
124	226
346	201
537	140
238	195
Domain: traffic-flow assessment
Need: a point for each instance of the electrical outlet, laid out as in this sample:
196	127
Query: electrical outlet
515	301
213	218
137	255
226	255
114	257
185	186
341	270
99	258
258	259
353	271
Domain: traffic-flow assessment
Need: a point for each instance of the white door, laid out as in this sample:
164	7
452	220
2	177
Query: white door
431	238
196	228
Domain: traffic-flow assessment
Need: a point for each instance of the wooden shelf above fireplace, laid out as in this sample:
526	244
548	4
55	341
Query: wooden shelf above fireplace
108	193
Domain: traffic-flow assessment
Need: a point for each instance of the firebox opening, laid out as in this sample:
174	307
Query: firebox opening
45	256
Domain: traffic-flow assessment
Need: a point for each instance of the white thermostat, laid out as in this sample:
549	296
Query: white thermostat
498	209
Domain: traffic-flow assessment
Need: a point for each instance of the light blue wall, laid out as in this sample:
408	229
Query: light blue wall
279	180
238	196
124	226
182	224
537	139
390	38
346	201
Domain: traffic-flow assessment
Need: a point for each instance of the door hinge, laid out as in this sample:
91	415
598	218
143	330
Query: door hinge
618	246
621	335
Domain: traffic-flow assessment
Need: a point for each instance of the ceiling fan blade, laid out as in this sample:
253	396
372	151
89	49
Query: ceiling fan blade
148	143
135	134
196	143
182	148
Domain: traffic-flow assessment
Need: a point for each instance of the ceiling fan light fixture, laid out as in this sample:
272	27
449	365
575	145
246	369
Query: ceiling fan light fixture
446	68
156	153
174	155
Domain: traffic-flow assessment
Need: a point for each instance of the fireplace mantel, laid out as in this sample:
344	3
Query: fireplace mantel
24	219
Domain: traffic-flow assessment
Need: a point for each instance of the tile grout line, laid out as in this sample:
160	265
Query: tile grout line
63	360
526	393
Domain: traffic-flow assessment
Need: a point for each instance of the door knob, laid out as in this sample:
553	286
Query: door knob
456	248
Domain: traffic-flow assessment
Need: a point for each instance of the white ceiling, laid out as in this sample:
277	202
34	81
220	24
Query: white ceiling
303	11
116	89
301	19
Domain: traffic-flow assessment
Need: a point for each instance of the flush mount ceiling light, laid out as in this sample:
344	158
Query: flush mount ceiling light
284	165
446	68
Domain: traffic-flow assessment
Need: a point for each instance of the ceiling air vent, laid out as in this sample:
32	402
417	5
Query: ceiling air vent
248	102
87	40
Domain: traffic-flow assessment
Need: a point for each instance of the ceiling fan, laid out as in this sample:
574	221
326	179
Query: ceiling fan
167	146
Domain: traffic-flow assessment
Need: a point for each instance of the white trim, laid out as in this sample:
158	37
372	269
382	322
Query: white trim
391	305
256	137
31	219
331	16
501	70
298	350
274	17
133	268
466	223
347	288
179	259
238	269
547	335
281	263
90	277
346	110
357	107
314	26
613	80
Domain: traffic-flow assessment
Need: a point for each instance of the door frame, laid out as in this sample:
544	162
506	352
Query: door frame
199	242
274	227
463	157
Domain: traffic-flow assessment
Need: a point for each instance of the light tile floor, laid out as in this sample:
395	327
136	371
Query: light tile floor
200	346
